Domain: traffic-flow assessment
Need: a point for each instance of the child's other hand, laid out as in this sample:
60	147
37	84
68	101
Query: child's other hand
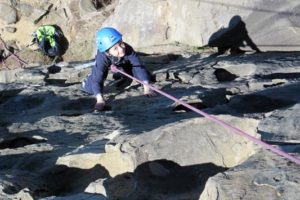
99	106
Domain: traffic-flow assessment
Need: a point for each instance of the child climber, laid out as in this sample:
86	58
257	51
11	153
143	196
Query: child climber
113	52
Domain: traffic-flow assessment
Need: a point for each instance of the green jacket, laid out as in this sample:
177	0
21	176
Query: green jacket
48	32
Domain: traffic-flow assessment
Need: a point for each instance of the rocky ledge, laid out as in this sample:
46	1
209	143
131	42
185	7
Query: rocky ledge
54	146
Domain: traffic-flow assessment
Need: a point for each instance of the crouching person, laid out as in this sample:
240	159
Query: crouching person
113	52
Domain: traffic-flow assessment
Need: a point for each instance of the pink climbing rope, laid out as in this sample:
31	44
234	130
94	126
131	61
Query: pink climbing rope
216	120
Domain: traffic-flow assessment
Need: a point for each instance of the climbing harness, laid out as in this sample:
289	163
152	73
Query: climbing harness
218	121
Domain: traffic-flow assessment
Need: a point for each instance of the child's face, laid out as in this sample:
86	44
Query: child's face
118	50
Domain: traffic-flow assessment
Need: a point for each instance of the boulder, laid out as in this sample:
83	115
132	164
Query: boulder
196	141
281	126
263	176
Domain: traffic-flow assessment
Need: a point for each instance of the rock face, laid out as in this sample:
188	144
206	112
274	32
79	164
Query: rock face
271	25
8	14
53	146
196	141
78	19
146	25
281	126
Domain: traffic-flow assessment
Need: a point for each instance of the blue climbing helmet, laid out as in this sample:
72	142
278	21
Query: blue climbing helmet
106	38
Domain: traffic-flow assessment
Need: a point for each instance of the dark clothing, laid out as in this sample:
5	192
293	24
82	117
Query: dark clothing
130	63
51	40
47	49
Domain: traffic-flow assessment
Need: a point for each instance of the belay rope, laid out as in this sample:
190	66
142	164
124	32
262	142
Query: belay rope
218	121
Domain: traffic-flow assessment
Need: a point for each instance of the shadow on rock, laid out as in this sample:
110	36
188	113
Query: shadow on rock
7	94
61	179
33	150
280	76
33	107
139	113
32	164
266	100
232	38
162	179
17	142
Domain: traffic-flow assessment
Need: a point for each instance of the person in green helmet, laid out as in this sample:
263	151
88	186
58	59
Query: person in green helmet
51	40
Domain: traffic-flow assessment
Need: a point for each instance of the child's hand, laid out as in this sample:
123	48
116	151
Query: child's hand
113	68
151	93
100	103
100	106
148	92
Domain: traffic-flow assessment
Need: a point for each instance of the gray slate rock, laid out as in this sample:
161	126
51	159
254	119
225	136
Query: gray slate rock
263	176
282	125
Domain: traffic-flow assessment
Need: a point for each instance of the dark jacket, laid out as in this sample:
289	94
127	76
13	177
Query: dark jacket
95	81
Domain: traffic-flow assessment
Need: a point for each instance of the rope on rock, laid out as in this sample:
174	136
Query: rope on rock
22	62
218	121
